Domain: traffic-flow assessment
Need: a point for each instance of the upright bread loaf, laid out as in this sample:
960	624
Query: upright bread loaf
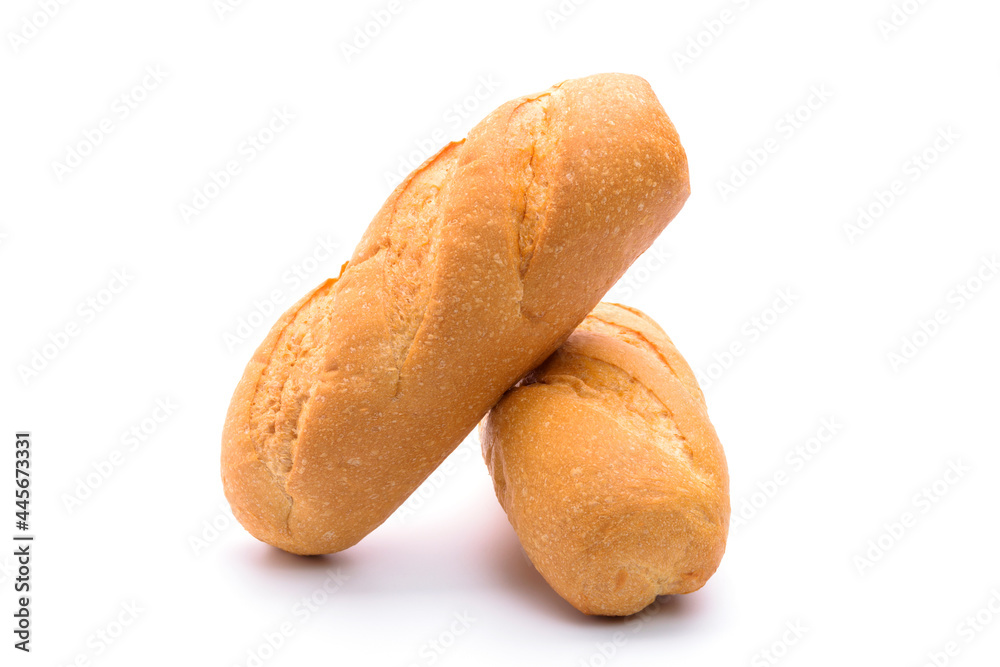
476	269
609	469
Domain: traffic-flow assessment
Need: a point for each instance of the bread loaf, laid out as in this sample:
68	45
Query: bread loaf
608	467
478	267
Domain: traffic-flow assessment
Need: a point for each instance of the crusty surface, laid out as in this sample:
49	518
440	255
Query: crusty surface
609	469
477	267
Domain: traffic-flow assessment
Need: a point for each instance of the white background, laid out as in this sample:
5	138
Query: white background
793	555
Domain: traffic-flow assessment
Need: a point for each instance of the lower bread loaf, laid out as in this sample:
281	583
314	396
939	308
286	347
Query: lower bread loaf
477	268
609	469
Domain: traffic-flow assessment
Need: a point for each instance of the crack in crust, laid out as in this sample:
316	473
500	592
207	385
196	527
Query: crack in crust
638	339
292	359
533	138
298	359
531	117
409	249
617	392
413	237
620	394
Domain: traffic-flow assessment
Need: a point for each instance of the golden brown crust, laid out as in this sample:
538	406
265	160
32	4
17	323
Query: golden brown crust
476	268
609	469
